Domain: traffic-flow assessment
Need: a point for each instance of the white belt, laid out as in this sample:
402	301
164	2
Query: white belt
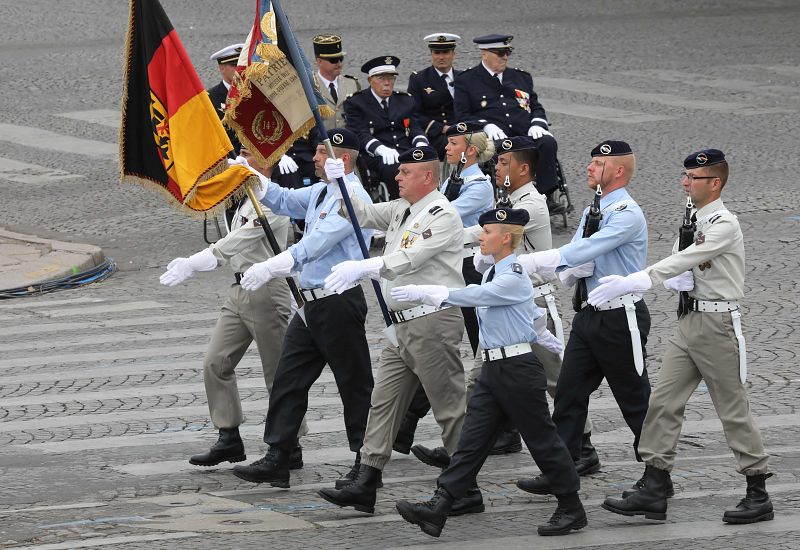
713	306
505	352
311	294
406	315
470	252
618	302
628	301
723	306
547	291
543	290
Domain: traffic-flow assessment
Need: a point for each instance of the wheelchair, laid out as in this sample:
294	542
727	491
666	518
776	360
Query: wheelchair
378	190
565	206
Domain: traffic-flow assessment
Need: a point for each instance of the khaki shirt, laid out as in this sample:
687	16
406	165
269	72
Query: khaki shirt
246	244
716	258
347	86
428	251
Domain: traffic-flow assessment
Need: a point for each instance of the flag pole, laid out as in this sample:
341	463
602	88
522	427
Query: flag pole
297	61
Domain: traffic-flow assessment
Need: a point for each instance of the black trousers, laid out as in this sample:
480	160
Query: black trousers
599	347
546	178
471	277
512	388
334	336
386	173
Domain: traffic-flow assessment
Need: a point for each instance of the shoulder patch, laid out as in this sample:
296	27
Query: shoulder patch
435	210
621	207
516	268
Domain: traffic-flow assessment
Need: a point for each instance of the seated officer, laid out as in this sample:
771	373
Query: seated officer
505	98
433	90
382	119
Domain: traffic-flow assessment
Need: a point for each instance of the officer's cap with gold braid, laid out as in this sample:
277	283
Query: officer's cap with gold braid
344	138
706	157
442	41
228	54
386	64
511	144
611	148
464	128
508	216
328	46
423	153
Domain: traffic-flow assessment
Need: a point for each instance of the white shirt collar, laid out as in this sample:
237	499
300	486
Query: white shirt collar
378	98
448	73
227	86
327	82
492	73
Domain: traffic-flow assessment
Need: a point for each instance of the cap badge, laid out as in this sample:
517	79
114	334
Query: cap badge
605	148
418	154
461	127
338	138
507	144
701	158
501	215
387	60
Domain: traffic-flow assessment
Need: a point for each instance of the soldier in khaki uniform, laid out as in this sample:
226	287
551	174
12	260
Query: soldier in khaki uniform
424	245
260	316
707	345
334	86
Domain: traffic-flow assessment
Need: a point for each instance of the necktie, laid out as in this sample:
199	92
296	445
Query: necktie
406	214
334	95
496	76
321	196
491	275
385	106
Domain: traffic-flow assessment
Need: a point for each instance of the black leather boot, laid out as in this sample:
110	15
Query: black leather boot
650	501
361	494
755	506
507	442
639	484
569	516
430	515
589	462
350	476
229	447
537	485
405	437
438	457
296	457
272	469
470	503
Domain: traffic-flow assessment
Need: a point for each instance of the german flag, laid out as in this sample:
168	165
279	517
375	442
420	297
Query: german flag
171	138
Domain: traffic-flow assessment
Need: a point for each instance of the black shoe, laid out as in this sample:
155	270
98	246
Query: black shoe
537	485
471	503
405	437
755	506
650	501
507	442
351	476
438	457
569	516
296	458
360	494
272	469
229	447
639	484
589	462
430	515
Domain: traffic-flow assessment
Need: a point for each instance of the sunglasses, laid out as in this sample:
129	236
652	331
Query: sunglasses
502	52
334	60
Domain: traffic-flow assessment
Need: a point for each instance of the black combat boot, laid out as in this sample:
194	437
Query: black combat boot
639	484
755	506
350	476
507	442
438	457
650	501
537	485
296	458
589	462
405	437
569	516
229	447
272	469
361	494
470	503
430	515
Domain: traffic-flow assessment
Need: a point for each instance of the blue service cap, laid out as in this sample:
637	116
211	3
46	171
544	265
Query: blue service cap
509	216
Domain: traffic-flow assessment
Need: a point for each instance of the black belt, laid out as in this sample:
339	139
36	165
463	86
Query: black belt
238	276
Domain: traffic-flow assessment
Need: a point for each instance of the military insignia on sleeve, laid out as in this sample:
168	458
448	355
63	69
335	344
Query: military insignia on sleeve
715	218
516	268
435	210
428	90
705	265
427	233
700	239
621	207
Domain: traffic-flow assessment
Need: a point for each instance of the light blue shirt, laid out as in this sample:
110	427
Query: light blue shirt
618	248
328	238
504	305
475	197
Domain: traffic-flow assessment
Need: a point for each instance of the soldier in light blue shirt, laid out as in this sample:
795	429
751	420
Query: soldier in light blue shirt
512	382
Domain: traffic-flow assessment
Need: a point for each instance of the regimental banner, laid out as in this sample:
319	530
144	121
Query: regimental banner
171	139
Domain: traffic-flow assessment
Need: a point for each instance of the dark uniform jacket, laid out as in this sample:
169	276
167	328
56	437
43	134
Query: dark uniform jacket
365	116
218	94
512	105
434	102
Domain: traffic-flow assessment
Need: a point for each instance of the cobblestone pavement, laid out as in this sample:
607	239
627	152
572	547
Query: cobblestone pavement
101	391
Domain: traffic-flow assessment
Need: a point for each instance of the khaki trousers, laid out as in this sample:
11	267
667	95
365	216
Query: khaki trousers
428	353
259	316
704	347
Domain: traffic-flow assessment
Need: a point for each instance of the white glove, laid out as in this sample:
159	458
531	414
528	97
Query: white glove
544	263
549	342
334	168
482	262
259	274
287	165
537	132
571	275
239	160
344	275
432	295
389	155
494	131
613	286
681	283
180	269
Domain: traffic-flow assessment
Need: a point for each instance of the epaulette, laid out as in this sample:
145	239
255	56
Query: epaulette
414	72
435	210
714	218
520	70
402	93
349	96
621	207
516	268
351	77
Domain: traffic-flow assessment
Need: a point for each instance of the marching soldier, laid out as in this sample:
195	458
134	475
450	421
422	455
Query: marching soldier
383	120
607	339
332	330
433	89
259	316
333	85
707	343
423	245
226	59
512	382
505	98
